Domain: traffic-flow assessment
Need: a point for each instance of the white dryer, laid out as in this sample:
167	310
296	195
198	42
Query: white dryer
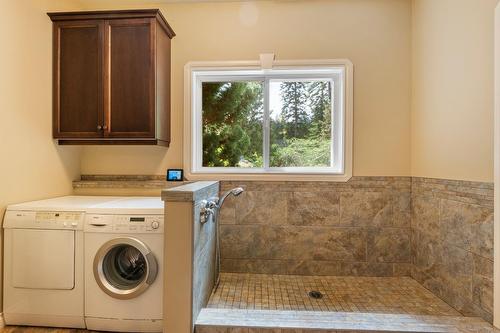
43	261
124	266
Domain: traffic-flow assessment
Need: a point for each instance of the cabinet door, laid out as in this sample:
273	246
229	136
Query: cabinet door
78	79
130	78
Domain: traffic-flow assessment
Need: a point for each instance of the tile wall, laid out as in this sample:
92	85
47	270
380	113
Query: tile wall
452	242
440	232
358	228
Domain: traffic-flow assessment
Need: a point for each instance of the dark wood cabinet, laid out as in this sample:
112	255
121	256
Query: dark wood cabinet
111	77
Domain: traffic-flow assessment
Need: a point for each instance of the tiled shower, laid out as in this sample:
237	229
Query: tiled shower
376	245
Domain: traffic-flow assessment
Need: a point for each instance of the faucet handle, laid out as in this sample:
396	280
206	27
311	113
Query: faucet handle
207	210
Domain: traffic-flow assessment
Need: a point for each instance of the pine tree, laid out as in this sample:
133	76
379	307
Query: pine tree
319	93
294	110
232	123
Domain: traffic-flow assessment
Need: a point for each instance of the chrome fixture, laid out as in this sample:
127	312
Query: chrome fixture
211	208
206	211
235	191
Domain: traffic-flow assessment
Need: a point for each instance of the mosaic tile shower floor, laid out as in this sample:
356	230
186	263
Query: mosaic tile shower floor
391	295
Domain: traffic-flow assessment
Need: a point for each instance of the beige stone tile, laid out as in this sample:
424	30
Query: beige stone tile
389	245
297	243
252	242
313	267
258	266
483	266
367	269
427	253
482	292
346	294
482	234
261	207
456	220
482	283
457	267
401	269
313	208
331	244
227	214
329	322
359	208
425	214
401	202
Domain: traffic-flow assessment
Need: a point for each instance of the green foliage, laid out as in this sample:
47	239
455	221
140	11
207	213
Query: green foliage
294	110
233	120
308	152
301	135
320	102
232	123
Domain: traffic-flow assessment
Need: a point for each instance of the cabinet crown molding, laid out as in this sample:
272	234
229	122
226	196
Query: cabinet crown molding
114	14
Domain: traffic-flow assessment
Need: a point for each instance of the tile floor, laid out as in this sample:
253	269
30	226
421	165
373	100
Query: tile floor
391	295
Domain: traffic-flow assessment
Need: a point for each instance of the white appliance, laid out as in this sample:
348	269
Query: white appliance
124	266
43	261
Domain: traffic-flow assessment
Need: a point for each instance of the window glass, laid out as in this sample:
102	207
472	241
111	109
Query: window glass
300	123
232	118
284	120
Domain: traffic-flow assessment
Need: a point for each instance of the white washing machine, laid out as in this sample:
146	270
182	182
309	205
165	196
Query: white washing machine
43	261
124	266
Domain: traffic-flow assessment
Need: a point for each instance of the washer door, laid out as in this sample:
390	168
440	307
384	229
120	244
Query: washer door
124	268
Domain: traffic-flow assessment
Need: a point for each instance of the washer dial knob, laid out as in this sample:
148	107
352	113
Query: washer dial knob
155	224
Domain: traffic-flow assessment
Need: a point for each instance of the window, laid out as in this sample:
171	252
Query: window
280	121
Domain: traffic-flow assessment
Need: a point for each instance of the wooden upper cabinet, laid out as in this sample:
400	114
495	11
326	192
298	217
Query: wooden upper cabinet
78	98
130	94
111	77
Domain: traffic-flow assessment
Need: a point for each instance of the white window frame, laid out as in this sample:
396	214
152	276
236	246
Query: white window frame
339	71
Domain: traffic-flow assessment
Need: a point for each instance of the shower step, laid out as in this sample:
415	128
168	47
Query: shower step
276	321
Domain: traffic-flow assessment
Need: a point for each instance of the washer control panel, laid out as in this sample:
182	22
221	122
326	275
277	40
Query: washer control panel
44	220
124	223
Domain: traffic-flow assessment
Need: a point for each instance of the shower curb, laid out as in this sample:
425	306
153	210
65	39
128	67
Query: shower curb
270	321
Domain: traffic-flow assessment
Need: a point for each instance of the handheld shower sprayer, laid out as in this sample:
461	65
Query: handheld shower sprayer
235	191
211	208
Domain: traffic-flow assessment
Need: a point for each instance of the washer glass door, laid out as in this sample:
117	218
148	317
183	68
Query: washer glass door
124	268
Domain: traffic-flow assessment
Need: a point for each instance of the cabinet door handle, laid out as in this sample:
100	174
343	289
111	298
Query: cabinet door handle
99	127
105	127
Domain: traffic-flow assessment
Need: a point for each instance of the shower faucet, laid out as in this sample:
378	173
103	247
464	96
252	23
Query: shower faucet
212	206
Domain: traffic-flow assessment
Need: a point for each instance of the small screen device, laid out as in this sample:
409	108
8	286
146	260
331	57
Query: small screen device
175	175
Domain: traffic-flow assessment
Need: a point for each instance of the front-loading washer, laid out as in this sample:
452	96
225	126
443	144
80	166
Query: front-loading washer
124	266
